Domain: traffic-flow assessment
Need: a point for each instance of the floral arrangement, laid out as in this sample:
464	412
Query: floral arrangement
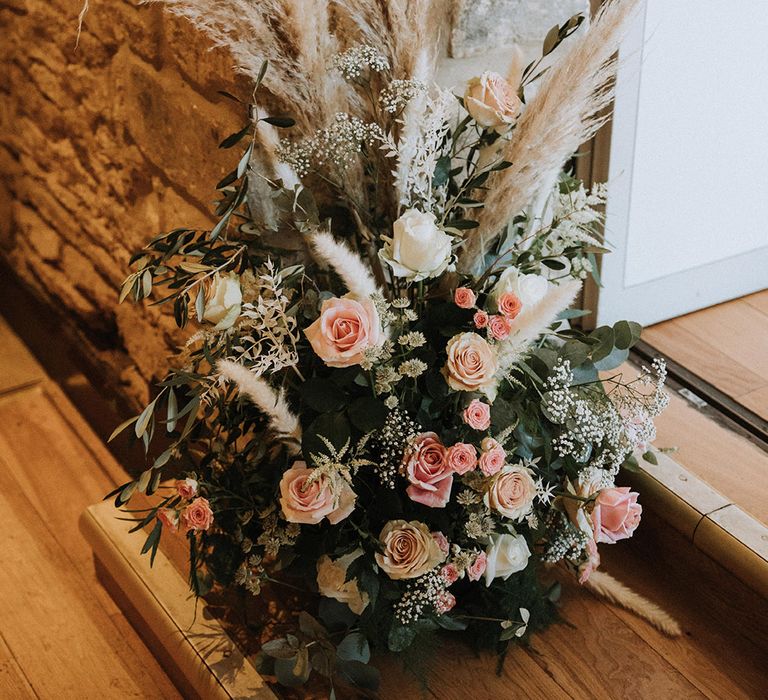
380	399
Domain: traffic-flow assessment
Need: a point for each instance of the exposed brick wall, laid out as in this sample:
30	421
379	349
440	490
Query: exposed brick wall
101	147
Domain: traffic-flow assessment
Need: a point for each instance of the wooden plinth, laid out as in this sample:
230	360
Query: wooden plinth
195	651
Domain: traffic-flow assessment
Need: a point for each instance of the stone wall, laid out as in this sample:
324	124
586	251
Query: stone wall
101	147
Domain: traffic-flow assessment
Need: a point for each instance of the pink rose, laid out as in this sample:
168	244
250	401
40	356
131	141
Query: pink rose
511	493
616	514
471	364
197	516
426	466
464	297
500	327
492	101
480	319
510	305
477	415
442	541
493	457
449	574
308	502
462	458
186	488
169	518
592	562
345	329
445	602
477	569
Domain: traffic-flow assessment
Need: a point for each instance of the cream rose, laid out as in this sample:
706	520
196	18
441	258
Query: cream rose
491	101
511	492
223	301
471	364
410	550
505	555
308	502
529	289
331	575
418	248
345	329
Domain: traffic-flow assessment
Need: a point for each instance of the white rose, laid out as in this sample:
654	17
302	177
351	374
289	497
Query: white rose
418	248
330	581
223	298
506	555
530	289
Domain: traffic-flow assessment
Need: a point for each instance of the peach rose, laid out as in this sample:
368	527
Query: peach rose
476	570
492	458
477	415
616	514
409	550
186	488
426	466
500	327
480	319
491	101
471	364
464	297
197	516
510	305
462	458
169	518
511	492
308	502
345	329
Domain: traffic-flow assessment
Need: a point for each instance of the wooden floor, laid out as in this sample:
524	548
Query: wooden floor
61	636
726	345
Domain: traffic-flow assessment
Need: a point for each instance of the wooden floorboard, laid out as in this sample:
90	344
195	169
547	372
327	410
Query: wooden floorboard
62	634
726	345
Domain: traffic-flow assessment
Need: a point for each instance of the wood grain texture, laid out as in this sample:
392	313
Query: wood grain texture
726	461
725	345
63	633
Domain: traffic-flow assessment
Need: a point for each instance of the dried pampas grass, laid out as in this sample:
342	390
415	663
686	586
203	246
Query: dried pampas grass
531	323
270	402
296	39
354	273
604	585
406	31
569	107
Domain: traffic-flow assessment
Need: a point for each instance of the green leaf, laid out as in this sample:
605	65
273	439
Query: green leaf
119	429
279	649
604	336
551	40
242	166
311	627
451	623
322	395
153	541
367	413
234	139
650	457
613	360
400	637
173	410
626	333
280	122
354	647
142	422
